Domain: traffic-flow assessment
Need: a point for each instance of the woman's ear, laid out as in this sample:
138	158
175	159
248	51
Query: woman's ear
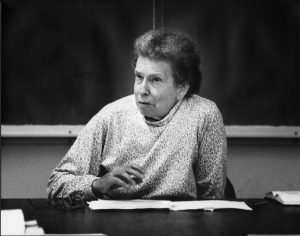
182	90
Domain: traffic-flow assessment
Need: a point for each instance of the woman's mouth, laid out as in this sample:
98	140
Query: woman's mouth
144	103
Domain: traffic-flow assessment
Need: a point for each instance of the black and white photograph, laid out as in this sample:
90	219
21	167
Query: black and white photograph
150	117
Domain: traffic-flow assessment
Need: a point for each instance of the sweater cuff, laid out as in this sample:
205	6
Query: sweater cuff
89	195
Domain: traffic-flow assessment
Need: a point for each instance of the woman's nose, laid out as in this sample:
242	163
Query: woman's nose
144	88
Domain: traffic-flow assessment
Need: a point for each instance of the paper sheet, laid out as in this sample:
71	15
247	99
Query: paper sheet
173	206
12	222
129	204
209	205
285	197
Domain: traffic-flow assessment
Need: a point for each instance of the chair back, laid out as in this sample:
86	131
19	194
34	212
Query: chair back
229	190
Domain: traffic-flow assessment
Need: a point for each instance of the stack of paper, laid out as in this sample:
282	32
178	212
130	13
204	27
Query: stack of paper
13	223
162	204
209	205
129	204
285	197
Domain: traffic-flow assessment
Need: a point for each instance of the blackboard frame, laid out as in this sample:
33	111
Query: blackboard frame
71	131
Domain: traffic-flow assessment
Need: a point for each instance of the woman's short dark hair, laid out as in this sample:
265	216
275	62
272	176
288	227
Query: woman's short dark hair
176	48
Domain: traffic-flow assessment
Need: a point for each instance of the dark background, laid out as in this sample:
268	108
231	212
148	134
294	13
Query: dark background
63	60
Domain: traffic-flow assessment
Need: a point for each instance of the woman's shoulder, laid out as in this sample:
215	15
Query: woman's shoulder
204	112
202	105
113	112
120	106
110	113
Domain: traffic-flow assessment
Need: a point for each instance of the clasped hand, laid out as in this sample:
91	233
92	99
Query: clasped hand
121	176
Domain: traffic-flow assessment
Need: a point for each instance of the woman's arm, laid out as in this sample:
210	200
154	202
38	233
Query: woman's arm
211	170
79	168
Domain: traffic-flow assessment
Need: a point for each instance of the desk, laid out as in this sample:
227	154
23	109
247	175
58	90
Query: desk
271	218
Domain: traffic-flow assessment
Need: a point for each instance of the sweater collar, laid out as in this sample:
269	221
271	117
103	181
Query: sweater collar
167	118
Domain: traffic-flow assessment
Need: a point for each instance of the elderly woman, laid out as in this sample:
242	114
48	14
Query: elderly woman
163	142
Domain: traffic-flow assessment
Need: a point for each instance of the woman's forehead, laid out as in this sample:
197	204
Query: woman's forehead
149	66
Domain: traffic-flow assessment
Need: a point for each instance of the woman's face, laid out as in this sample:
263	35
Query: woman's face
155	89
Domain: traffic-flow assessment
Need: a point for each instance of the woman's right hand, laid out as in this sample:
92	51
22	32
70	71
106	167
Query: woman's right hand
121	176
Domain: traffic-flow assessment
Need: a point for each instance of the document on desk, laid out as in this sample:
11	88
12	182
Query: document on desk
129	204
164	204
209	205
285	197
13	223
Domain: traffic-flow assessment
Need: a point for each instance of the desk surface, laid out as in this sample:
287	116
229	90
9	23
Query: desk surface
271	218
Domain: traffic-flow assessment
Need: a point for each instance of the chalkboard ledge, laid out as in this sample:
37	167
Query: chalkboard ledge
71	131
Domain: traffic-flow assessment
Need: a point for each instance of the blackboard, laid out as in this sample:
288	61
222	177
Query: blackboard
62	61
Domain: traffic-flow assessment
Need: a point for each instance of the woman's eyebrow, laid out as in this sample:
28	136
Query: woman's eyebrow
154	74
158	75
138	73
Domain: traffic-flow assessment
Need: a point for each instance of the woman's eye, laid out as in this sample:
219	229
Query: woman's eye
138	77
156	79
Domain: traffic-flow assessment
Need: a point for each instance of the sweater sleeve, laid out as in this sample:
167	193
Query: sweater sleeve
79	168
211	170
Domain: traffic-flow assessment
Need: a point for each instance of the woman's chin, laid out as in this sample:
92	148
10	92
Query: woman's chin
148	115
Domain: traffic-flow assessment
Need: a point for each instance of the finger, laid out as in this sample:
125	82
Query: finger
117	182
136	179
137	176
127	178
137	168
128	174
109	182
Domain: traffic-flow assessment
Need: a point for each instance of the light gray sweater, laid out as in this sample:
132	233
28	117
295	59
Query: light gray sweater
183	155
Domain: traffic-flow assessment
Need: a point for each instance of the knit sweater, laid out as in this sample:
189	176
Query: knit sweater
183	155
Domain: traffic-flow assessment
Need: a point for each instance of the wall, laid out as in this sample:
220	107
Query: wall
255	166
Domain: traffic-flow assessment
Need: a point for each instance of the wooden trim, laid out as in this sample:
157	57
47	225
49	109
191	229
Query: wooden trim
40	131
71	131
263	131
